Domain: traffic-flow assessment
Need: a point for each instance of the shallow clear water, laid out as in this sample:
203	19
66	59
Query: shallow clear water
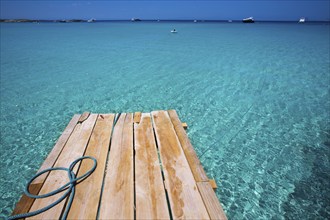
256	98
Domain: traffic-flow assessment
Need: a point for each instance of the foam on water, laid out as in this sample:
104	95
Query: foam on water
256	98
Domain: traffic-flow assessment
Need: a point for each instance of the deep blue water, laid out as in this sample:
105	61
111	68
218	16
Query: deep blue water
256	98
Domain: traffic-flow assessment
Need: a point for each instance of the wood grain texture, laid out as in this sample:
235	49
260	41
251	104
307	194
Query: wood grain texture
74	148
137	117
25	202
118	193
211	201
83	117
56	151
159	137
185	199
88	192
195	164
213	184
150	193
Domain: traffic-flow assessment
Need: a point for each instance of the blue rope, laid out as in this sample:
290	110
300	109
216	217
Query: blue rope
70	187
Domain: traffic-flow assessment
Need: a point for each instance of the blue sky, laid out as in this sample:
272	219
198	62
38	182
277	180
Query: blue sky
166	9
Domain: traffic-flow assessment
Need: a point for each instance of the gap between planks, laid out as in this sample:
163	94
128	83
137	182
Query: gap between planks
26	202
203	188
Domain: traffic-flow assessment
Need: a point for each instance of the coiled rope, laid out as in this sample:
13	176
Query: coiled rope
69	187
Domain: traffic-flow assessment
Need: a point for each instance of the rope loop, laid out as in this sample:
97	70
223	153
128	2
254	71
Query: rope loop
69	187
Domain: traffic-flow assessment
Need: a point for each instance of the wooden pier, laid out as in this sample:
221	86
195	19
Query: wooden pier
146	169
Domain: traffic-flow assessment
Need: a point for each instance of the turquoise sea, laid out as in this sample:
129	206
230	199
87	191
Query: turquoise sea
256	98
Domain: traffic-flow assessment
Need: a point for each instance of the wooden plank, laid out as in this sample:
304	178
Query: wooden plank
195	164
83	117
25	202
211	201
137	117
185	199
54	154
88	192
150	193
213	184
184	125
118	192
74	148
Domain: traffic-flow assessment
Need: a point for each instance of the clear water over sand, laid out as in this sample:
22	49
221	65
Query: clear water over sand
256	98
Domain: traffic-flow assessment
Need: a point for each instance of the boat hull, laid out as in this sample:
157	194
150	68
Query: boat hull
248	21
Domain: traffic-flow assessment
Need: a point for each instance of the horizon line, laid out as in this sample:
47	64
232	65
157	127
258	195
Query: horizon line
152	19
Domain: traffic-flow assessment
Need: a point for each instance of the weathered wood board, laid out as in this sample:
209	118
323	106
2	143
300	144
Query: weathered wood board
146	169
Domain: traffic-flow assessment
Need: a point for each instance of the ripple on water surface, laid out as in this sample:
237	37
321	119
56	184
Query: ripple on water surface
256	99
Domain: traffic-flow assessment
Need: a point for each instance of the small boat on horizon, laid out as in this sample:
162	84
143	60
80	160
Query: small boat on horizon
174	31
302	20
248	20
91	20
135	19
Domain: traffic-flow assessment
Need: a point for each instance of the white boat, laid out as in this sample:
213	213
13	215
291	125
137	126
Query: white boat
195	21
230	21
91	20
174	31
135	19
248	20
302	20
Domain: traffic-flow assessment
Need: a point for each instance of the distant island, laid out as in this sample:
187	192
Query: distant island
17	20
137	20
36	21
